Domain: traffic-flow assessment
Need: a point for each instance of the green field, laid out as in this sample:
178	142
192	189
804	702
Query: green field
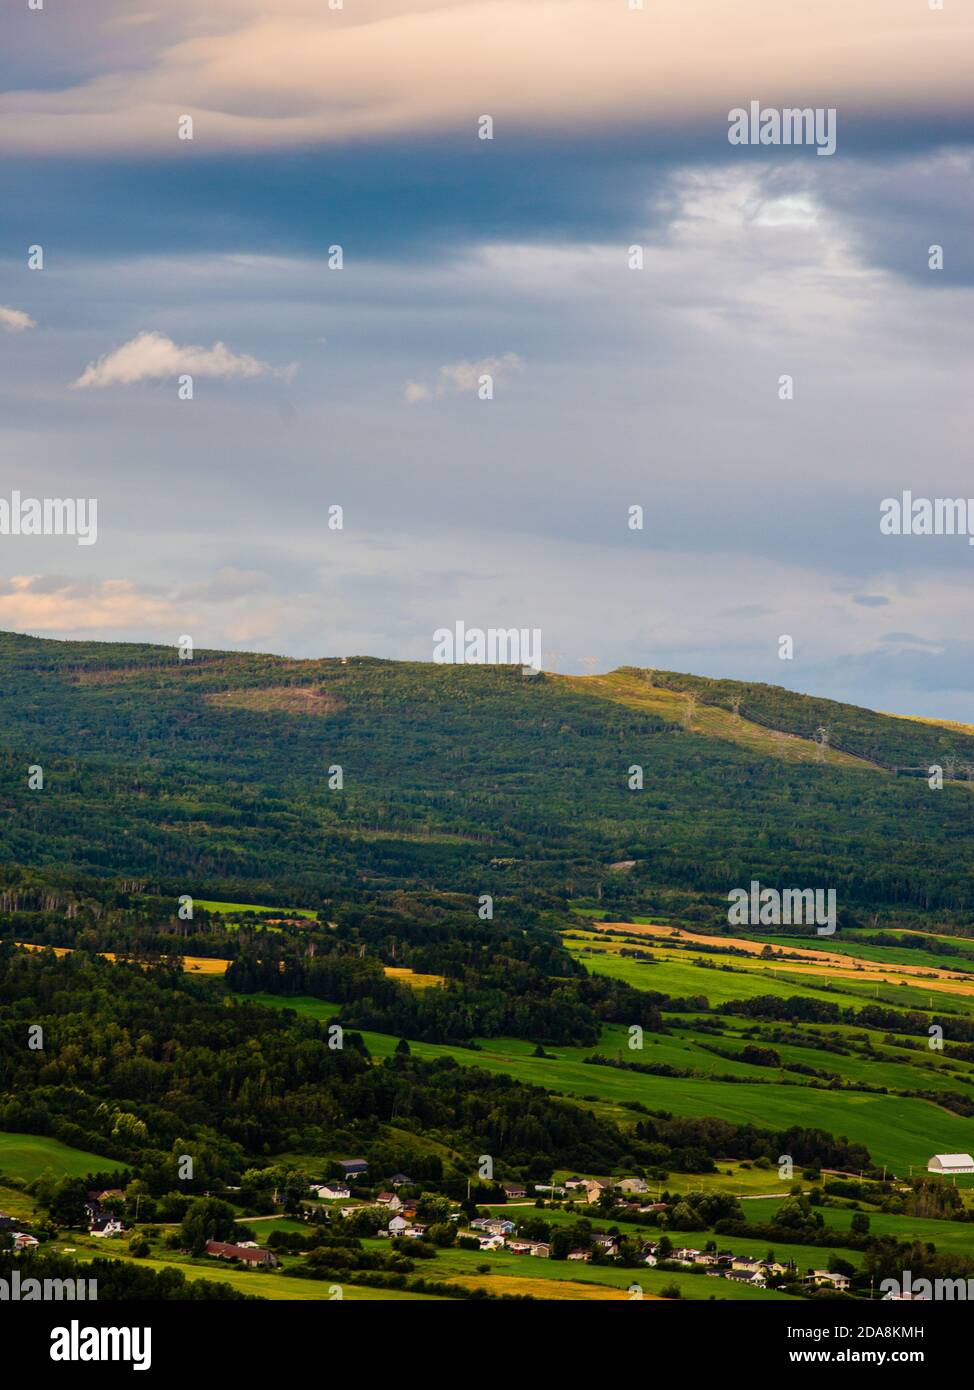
238	909
28	1155
575	1276
898	1131
720	978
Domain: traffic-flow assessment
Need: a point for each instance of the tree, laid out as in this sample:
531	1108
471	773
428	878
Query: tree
207	1219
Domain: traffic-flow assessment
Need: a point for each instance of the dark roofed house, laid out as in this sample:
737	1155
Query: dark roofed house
399	1180
514	1189
246	1254
351	1167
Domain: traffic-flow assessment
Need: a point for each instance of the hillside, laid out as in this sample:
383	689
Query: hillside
507	1032
213	774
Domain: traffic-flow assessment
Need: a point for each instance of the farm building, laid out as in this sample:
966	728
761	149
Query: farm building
331	1191
247	1254
353	1167
951	1163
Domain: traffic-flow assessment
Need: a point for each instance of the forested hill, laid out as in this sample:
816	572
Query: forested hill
901	743
218	776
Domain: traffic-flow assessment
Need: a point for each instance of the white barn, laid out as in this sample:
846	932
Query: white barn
951	1163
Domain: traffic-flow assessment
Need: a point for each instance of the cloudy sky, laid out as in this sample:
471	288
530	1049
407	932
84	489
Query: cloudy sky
316	386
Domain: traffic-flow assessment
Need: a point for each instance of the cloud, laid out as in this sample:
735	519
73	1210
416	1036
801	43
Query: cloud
871	600
154	357
15	320
463	376
255	76
42	603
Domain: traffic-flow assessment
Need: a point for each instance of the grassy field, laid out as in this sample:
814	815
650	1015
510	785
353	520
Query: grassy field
28	1155
709	720
14	1202
719	978
563	1279
898	1131
239	909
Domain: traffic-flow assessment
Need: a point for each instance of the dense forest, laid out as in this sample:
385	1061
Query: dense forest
260	779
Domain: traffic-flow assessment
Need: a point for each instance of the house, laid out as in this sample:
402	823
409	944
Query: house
25	1242
649	1258
949	1164
585	1255
479	1223
254	1256
353	1167
572	1183
498	1226
398	1226
519	1247
825	1276
554	1189
416	1232
593	1190
514	1189
106	1226
331	1191
632	1185
400	1180
491	1242
606	1244
388	1200
744	1265
541	1249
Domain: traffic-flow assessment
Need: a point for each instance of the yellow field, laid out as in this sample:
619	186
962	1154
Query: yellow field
197	965
562	1289
809	962
411	977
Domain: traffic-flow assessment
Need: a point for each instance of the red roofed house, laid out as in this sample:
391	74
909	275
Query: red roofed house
246	1254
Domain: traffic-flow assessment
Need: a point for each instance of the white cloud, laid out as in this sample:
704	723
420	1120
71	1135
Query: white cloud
154	357
463	376
15	320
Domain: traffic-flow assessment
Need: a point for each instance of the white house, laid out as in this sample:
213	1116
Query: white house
397	1226
825	1276
951	1163
632	1185
108	1226
332	1191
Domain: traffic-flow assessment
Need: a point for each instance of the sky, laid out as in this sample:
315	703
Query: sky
359	386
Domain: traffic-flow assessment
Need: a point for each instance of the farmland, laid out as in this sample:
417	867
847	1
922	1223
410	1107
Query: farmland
26	1156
